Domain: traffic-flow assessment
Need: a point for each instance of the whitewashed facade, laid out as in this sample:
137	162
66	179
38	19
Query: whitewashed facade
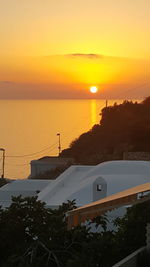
84	184
25	188
89	183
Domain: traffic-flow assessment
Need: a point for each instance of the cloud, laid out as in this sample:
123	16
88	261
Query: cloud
6	82
88	56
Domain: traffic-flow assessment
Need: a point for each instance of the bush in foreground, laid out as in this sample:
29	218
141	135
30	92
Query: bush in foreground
33	235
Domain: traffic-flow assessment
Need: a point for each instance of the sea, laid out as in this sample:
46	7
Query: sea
29	128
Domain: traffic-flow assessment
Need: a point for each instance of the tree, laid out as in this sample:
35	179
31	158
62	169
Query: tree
131	233
34	235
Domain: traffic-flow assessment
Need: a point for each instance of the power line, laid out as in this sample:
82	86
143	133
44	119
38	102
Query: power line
29	155
25	164
44	149
50	148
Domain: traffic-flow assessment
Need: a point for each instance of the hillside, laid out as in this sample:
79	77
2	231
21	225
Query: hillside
122	128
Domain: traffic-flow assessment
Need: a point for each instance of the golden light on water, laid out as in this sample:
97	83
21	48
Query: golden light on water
93	89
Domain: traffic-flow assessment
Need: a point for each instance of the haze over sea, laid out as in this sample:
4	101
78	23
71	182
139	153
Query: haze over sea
29	129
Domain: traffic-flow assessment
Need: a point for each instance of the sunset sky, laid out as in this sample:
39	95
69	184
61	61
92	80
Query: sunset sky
59	48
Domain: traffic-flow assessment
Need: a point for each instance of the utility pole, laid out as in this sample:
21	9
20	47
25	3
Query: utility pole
3	164
106	103
59	144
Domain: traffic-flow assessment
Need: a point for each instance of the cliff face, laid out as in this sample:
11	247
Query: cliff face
123	128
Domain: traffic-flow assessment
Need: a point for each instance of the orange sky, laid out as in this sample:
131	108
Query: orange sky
59	48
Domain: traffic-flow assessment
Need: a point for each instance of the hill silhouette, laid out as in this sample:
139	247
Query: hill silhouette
122	128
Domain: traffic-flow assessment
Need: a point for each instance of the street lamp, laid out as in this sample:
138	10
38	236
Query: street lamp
59	144
3	164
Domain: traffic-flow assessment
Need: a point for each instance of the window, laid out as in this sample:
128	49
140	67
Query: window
99	187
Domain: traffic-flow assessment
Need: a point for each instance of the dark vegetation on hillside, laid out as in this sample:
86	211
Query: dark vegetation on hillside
33	235
124	127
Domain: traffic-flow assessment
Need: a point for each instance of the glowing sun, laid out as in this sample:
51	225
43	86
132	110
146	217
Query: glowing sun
93	89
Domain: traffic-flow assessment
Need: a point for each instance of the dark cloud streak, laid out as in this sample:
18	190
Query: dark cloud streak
88	56
6	82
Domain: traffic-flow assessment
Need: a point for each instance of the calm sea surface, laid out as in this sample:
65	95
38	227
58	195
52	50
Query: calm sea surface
29	129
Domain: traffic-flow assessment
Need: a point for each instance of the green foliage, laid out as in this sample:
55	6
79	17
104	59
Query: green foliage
99	250
144	259
33	235
131	233
124	127
27	228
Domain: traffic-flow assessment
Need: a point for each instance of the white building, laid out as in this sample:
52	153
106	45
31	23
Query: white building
71	185
25	188
85	184
89	183
44	164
